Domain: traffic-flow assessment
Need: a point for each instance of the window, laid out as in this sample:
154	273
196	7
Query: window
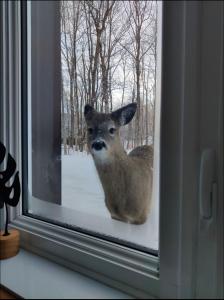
73	63
190	259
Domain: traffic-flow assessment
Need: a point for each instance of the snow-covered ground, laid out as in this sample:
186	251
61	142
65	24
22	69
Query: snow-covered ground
83	193
81	188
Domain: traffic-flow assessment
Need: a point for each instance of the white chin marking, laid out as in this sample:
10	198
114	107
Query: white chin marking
100	156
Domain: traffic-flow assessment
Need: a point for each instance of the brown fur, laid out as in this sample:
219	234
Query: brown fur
126	178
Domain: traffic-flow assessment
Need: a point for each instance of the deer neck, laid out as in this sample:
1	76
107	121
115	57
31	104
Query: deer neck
116	159
113	172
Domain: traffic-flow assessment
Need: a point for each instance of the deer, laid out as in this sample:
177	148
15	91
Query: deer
126	178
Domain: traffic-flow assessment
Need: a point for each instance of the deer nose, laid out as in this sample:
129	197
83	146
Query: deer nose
98	145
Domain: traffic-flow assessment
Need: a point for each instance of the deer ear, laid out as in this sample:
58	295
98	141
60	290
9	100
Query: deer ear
125	114
88	111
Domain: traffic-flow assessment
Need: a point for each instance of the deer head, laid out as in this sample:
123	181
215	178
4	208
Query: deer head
103	136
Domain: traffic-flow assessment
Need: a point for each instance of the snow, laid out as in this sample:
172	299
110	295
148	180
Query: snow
83	193
81	187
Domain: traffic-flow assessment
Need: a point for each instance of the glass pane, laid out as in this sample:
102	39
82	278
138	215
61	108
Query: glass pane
93	117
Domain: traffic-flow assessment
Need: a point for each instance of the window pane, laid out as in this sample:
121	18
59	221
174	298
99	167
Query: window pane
93	98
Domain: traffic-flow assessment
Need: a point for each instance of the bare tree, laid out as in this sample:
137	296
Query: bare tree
139	14
108	59
70	21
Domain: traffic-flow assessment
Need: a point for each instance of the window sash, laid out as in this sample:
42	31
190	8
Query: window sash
46	150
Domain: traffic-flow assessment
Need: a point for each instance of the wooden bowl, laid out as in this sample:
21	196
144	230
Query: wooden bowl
9	245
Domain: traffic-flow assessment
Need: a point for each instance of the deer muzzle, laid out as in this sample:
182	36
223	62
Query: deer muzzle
98	145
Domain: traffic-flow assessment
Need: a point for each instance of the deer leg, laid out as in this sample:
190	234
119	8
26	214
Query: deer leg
118	218
139	221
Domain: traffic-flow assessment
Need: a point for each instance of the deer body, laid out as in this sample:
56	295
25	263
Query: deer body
126	178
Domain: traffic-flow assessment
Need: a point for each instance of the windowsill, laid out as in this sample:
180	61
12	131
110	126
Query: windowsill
34	277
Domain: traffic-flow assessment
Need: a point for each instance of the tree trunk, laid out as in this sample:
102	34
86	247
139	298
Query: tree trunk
76	104
124	82
72	116
110	90
147	111
63	119
138	97
94	70
155	75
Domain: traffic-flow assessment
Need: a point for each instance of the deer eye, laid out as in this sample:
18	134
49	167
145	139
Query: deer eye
112	130
90	130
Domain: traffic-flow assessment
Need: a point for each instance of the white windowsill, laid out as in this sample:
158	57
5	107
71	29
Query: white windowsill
34	277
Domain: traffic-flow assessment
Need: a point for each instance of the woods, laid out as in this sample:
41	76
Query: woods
108	57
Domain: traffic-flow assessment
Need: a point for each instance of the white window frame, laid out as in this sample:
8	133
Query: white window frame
187	83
